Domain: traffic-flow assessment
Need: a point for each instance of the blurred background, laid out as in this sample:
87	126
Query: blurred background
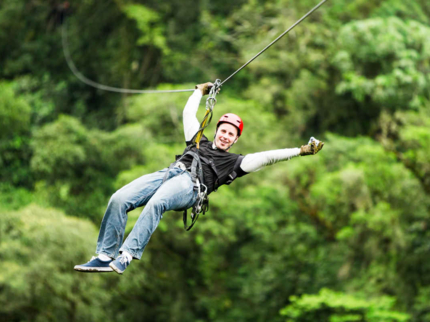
341	236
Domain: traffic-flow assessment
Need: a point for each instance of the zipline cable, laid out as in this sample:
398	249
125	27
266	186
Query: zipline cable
89	82
279	37
211	101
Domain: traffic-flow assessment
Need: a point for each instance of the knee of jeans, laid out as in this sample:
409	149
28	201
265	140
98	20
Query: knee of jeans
159	206
118	198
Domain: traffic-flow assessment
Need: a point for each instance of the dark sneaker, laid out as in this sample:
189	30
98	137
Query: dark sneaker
120	264
94	265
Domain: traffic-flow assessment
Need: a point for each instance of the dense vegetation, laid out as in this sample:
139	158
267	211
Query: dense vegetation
341	236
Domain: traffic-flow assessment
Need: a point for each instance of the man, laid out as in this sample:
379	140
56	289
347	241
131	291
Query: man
175	188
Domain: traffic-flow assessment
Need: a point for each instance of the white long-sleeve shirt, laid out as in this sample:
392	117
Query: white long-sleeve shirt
251	162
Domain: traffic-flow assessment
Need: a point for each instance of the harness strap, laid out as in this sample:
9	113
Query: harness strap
202	202
166	175
211	164
207	161
233	175
210	104
196	170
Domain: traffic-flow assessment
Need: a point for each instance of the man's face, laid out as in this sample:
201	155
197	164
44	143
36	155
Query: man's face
225	136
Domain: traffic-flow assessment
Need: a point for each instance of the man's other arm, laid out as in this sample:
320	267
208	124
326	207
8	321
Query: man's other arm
256	161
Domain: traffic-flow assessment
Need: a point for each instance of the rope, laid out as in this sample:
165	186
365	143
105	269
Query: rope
89	82
274	41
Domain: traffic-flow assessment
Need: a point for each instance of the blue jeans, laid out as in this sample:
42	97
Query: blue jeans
175	194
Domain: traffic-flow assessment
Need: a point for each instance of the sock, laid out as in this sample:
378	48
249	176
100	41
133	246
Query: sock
128	255
104	258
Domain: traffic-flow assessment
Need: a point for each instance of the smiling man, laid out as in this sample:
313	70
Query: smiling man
186	183
228	133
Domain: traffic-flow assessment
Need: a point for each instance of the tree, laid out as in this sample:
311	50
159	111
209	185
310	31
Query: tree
39	248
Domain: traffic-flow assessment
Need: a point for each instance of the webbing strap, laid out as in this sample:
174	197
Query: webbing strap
205	123
185	218
196	168
211	164
210	104
233	175
196	172
166	175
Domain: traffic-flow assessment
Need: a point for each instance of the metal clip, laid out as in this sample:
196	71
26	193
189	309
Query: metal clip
201	196
211	100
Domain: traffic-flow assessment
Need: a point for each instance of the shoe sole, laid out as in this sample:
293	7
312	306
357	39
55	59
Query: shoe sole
116	269
93	269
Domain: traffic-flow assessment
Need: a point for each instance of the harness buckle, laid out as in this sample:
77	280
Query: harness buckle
180	165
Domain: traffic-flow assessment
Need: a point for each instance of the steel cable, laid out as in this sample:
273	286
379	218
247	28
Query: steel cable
89	82
274	41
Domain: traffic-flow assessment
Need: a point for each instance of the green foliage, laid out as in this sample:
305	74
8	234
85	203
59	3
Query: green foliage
39	248
422	305
416	10
14	114
407	135
332	306
12	198
76	169
147	19
159	115
14	137
353	219
391	68
359	194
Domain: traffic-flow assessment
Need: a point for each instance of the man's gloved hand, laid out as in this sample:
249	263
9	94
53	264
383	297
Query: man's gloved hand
313	147
205	88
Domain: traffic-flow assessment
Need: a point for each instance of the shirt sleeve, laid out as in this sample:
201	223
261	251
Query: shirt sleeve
191	123
256	161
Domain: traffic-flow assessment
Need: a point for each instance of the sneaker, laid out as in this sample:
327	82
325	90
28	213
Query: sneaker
120	264
94	265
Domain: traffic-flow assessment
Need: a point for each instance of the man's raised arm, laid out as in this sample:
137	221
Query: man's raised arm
191	123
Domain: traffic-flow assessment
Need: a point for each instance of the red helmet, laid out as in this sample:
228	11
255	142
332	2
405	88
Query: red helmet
232	119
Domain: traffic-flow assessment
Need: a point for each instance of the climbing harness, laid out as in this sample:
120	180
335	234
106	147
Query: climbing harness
201	204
